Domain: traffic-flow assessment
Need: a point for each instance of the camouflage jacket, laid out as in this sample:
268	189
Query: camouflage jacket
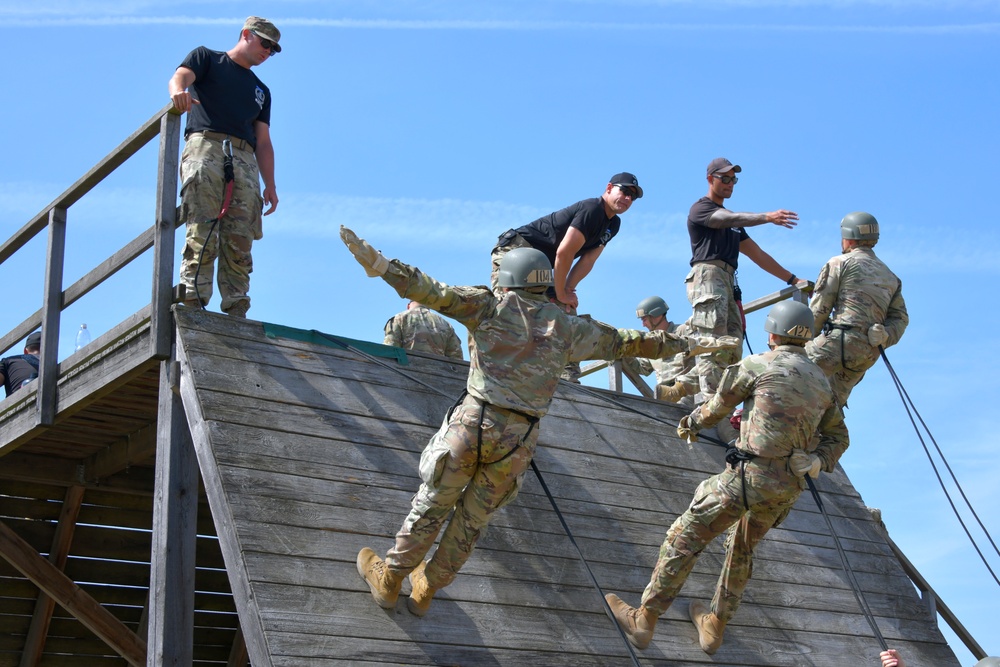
856	290
521	341
668	369
786	400
423	330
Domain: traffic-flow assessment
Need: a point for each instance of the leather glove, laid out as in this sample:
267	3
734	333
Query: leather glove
688	427
877	335
803	463
374	262
675	392
703	344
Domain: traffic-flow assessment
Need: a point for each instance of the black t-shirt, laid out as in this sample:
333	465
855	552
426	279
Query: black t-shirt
588	216
708	243
16	370
231	97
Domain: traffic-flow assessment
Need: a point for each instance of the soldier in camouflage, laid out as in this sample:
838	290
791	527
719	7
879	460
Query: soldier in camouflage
477	460
858	307
421	329
652	312
787	400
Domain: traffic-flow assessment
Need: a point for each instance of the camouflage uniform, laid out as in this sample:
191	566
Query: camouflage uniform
854	291
710	287
786	400
679	366
572	371
476	461
423	330
202	191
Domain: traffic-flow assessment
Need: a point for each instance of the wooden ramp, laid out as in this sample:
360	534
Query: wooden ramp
309	452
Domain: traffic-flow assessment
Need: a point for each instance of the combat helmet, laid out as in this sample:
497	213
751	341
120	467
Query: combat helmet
652	306
525	267
988	662
790	319
859	226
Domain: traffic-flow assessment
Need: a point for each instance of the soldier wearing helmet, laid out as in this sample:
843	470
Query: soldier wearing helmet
858	307
520	342
786	401
652	312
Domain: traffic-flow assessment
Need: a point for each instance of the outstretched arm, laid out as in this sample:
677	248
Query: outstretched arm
750	248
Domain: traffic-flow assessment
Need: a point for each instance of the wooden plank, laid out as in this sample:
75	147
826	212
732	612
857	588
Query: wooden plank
112	161
59	587
39	628
243	594
51	312
162	324
172	564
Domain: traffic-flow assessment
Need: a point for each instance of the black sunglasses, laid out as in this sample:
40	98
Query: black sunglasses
267	44
726	179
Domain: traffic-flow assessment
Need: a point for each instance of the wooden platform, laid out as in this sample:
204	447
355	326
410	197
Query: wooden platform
309	453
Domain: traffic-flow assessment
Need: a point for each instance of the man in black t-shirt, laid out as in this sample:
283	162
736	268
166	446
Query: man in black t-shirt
577	233
717	239
229	113
17	370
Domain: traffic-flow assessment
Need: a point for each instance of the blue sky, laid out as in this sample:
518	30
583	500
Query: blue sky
432	127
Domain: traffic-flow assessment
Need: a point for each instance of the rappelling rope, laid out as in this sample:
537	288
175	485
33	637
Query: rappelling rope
907	404
538	474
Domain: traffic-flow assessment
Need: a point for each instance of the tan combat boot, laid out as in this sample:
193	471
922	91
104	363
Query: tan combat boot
710	627
239	309
638	624
420	598
383	582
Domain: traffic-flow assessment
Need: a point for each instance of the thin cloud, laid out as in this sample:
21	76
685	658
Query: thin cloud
50	19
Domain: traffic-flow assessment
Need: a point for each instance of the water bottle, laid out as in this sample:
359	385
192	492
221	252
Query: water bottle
82	337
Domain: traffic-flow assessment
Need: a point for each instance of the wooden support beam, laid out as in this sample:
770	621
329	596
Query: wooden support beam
175	522
41	469
48	367
166	222
137	447
45	605
71	597
238	655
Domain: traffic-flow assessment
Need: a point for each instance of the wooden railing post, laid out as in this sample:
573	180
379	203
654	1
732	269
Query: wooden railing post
51	312
161	325
175	516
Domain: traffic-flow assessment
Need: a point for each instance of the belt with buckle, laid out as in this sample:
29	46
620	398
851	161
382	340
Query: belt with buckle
721	263
238	144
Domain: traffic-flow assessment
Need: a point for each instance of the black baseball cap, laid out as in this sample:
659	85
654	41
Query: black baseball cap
722	165
628	180
34	340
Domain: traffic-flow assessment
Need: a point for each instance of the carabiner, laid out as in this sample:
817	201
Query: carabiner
227	148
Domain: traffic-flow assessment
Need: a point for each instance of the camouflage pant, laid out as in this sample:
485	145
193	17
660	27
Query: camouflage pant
714	313
845	357
476	482
572	371
717	506
202	192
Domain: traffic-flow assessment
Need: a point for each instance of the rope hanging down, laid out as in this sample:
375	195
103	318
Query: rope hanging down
855	586
907	405
538	474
